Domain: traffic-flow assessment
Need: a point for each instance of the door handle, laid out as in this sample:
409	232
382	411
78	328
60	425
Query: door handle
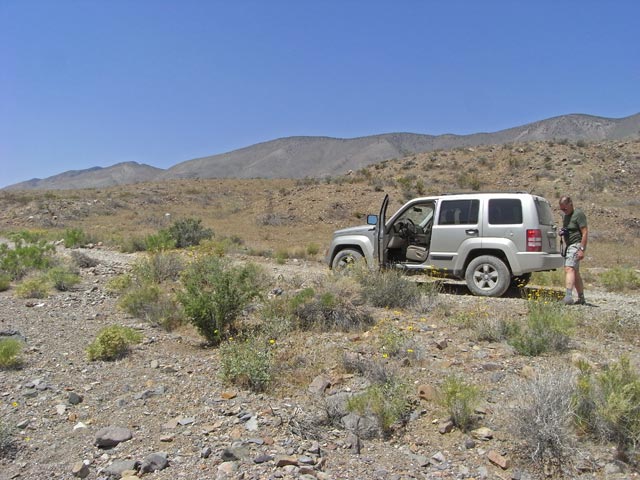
472	231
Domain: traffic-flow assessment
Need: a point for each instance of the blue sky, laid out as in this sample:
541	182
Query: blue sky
88	83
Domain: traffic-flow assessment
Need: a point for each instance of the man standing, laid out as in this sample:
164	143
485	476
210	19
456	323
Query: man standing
574	232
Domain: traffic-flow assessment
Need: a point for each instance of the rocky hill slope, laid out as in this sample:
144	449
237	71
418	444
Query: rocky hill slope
299	157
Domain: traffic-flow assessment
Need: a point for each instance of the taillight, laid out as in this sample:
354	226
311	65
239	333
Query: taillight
534	240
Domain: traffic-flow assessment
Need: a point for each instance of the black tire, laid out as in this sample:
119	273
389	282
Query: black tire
520	281
487	276
346	258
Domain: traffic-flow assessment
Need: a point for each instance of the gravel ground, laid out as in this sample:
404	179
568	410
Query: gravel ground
168	394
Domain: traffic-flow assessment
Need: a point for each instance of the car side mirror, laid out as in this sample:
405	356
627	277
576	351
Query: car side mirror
372	219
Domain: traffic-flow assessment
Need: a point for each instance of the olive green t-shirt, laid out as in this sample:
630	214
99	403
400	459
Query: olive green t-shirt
573	223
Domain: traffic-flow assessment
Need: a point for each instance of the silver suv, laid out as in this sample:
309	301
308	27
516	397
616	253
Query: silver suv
491	240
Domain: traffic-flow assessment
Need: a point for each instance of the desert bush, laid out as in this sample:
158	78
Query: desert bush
7	440
543	416
62	278
460	400
547	329
327	311
619	279
82	260
10	350
313	249
394	341
119	284
158	267
372	369
150	303
30	252
74	238
132	244
214	293
387	402
34	287
189	232
610	405
159	242
247	363
113	342
389	289
5	281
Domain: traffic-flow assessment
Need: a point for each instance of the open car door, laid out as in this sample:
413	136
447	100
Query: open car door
381	234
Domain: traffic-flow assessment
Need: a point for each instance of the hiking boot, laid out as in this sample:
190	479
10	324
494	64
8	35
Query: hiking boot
580	301
568	301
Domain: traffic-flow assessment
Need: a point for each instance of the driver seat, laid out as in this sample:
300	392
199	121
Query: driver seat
416	253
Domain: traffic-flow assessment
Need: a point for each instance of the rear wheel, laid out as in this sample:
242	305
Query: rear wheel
487	276
347	258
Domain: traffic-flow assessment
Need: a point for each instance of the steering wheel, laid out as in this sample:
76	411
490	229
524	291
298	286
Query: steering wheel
406	228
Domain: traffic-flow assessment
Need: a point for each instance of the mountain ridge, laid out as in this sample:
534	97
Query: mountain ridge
321	156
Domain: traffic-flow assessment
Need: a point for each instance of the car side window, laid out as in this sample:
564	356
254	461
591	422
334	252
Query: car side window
459	212
505	211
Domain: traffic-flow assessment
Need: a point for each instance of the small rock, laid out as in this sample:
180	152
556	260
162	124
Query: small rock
427	392
22	424
284	460
226	469
74	398
497	459
80	469
61	409
446	427
482	433
154	462
319	385
264	458
442	344
205	452
111	436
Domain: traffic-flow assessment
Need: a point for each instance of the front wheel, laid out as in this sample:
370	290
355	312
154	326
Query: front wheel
487	276
347	258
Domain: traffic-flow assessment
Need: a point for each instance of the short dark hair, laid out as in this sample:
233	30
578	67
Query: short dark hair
566	200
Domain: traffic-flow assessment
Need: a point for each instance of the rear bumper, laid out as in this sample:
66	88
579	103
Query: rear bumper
537	262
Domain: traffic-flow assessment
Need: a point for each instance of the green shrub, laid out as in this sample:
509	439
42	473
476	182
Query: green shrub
119	284
133	244
460	399
214	293
159	267
34	287
619	279
610	404
10	350
113	342
74	237
327	311
387	402
62	278
148	302
5	281
389	289
189	232
547	329
30	252
394	341
247	363
159	242
313	249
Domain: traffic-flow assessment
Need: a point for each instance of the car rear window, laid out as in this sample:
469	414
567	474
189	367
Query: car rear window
505	211
545	213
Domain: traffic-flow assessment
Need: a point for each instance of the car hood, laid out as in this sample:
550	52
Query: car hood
353	230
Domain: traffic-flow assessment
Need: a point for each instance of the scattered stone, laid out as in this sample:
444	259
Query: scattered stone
446	427
228	395
74	399
284	460
469	443
154	462
264	458
226	469
22	424
442	344
154	364
117	468
80	469
497	459
205	452
354	443
61	409
319	385
363	426
438	458
111	436
186	421
482	433
167	438
252	424
427	392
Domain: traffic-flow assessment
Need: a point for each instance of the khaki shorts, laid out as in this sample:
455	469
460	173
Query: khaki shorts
571	258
